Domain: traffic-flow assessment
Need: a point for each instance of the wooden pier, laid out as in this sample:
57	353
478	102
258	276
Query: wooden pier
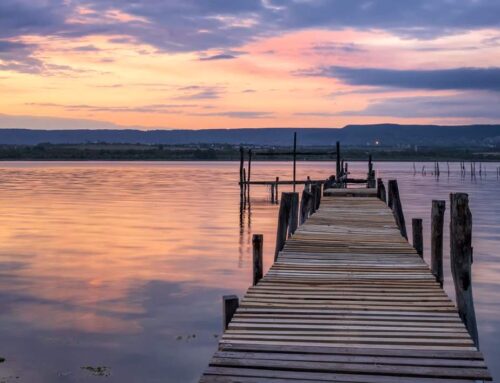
347	299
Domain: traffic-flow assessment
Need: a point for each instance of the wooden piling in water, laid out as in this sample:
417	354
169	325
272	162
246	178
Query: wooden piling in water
294	214
461	260
417	234
316	190
294	158
276	190
229	305
437	224
381	193
249	164
258	247
314	195
285	220
305	205
338	169
242	156
395	205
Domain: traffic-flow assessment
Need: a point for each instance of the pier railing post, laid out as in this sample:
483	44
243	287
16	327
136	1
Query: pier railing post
318	196
314	195
461	260
305	205
397	208
294	214
249	172
338	170
258	247
418	237
276	189
381	193
242	159
370	178
437	223
229	305
285	220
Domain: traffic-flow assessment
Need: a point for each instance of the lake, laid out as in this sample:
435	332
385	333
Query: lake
115	270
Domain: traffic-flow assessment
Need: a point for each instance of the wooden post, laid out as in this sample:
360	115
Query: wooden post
272	193
338	170
381	193
305	204
437	223
242	158
418	237
461	260
229	305
314	195
276	189
284	217
370	165
249	164
294	214
397	208
294	158
244	182
258	246
318	196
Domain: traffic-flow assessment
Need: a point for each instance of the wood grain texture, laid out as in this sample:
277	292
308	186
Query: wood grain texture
348	299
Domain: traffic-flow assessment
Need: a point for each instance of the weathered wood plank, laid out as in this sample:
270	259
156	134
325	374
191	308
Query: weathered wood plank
348	299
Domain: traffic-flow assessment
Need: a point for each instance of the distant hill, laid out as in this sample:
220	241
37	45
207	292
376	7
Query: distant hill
384	134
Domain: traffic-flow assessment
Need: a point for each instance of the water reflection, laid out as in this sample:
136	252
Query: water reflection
124	264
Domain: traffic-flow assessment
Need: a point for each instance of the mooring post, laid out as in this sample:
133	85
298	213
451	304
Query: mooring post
294	214
417	234
305	204
461	260
242	156
318	196
397	208
229	305
276	189
244	182
314	196
249	164
437	223
370	168
284	218
258	247
338	170
294	158
381	193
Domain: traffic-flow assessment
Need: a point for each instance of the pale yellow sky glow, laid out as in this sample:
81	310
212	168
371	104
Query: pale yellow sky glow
281	79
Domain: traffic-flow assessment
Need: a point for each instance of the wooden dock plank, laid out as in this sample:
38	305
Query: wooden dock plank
348	300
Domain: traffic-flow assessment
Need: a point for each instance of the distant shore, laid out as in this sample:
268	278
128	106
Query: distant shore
222	152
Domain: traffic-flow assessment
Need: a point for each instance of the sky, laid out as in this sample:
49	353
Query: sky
198	64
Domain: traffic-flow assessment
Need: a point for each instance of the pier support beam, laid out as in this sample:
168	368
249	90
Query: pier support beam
276	189
258	247
381	193
287	222
397	208
418	237
461	260
437	223
305	205
229	305
338	169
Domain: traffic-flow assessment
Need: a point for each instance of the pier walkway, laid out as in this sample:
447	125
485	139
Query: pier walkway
348	300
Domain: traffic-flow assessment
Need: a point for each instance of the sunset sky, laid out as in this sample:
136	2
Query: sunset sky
200	64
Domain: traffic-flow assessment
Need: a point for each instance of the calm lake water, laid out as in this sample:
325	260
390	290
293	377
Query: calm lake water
123	265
